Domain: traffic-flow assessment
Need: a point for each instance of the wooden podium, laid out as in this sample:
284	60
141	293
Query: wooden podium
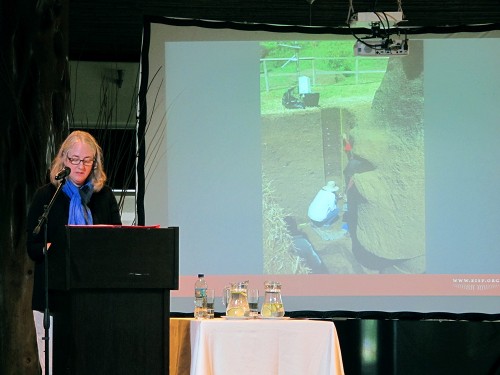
111	292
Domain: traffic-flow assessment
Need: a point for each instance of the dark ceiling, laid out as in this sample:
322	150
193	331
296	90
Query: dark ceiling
111	30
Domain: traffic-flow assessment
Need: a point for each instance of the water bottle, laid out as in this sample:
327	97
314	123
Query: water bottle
200	297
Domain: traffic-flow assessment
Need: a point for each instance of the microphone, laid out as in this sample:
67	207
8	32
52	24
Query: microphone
63	173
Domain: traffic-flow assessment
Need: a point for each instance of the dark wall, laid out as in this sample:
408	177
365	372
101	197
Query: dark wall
393	347
111	30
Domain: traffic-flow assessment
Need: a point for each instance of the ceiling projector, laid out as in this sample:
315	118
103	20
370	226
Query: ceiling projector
381	47
366	19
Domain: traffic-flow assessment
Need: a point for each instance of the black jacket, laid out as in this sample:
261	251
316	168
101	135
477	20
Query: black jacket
104	210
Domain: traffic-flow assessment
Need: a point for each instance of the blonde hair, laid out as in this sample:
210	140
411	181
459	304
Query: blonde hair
97	175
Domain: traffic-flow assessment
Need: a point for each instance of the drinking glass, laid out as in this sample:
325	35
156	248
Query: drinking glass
210	303
226	292
253	302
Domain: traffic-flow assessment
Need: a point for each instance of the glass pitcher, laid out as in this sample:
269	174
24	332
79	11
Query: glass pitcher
273	304
237	301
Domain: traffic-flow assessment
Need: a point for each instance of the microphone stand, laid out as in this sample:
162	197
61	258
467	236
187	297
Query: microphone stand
43	220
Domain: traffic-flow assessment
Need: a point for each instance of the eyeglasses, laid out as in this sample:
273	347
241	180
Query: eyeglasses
76	161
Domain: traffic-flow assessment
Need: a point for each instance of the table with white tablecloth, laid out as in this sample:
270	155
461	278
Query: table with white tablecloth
264	347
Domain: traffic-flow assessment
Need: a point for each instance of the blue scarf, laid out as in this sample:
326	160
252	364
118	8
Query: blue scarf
79	213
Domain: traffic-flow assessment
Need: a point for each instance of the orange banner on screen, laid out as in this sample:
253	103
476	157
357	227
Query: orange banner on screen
359	285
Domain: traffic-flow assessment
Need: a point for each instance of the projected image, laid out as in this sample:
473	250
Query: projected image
342	159
288	159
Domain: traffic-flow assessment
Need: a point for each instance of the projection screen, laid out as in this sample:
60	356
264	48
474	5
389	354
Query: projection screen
246	127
